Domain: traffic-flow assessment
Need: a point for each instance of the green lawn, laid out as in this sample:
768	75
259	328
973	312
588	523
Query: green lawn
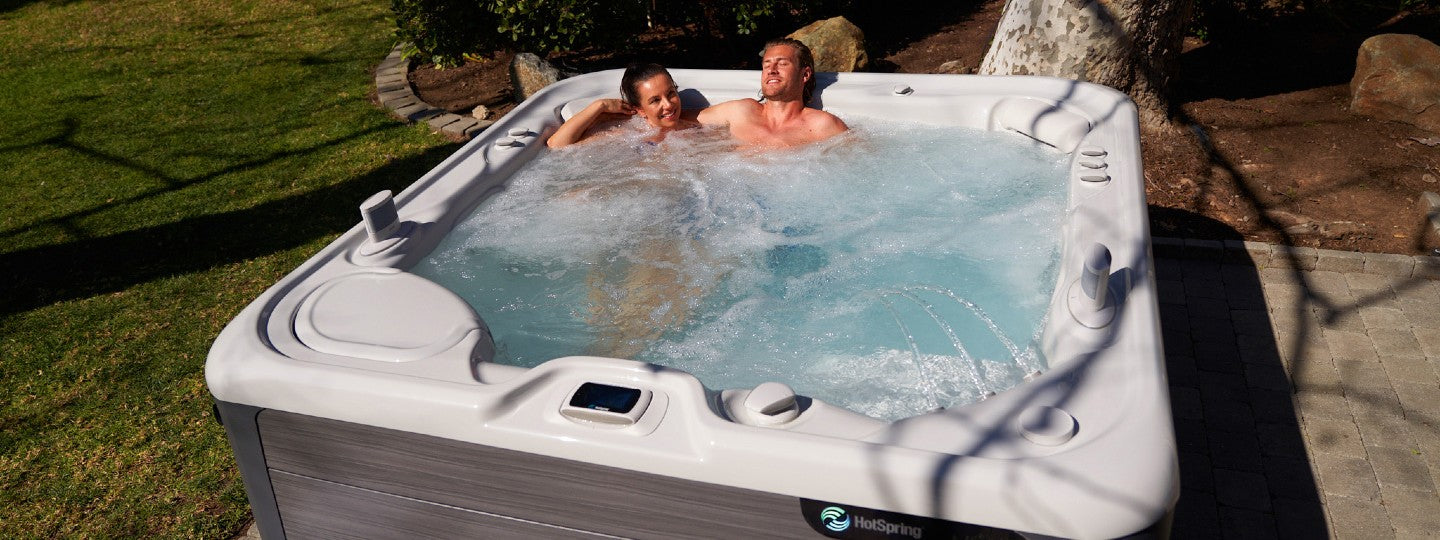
163	162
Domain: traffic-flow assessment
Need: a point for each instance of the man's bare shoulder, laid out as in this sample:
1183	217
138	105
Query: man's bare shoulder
822	122
726	112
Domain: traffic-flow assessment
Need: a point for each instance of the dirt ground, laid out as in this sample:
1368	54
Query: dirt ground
1267	149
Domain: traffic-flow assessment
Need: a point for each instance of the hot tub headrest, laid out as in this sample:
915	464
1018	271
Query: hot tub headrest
1041	120
690	98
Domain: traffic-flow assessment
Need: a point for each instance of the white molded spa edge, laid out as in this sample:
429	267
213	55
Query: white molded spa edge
1117	475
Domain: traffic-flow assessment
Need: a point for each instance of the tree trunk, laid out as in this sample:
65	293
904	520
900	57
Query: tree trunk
1129	45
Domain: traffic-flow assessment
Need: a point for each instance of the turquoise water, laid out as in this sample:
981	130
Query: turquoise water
892	270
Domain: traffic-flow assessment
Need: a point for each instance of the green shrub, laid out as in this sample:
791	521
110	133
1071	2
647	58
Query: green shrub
443	31
551	25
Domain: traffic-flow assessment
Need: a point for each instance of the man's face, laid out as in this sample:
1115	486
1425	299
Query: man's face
781	77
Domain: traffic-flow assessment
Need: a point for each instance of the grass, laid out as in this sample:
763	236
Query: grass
163	163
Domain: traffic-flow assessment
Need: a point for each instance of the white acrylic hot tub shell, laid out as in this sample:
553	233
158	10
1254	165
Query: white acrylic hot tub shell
1116	476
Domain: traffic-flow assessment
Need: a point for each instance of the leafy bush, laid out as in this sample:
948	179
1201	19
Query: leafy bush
552	25
443	31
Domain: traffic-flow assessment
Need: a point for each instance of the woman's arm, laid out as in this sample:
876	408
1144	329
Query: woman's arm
573	130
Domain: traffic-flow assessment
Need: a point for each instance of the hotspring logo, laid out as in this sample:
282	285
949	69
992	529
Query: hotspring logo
838	520
835	518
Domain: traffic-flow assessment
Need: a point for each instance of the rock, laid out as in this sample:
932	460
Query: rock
955	67
480	112
837	44
530	73
1397	77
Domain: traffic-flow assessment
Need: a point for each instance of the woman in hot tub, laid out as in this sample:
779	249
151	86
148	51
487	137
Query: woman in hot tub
646	90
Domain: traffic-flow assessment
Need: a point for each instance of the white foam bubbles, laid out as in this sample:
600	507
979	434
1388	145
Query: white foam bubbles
891	270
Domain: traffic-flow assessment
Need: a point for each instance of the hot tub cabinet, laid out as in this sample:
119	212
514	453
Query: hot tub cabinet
361	401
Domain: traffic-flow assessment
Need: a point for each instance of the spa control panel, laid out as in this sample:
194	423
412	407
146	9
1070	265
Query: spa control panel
606	404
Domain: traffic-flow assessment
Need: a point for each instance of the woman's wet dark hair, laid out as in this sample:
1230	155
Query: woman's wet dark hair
634	75
803	55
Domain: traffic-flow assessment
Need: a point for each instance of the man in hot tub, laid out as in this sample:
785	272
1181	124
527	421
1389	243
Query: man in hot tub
787	81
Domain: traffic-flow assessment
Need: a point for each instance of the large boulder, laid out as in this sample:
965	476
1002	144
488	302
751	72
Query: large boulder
530	73
1397	77
837	44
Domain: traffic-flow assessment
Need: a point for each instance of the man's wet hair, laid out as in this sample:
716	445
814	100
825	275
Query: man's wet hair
806	59
635	74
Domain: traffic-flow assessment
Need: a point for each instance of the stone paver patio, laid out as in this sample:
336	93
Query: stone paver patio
1304	389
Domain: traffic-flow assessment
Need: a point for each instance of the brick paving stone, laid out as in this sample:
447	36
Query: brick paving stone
1282	440
1362	376
1331	285
1316	376
1396	343
1346	476
1421	312
1383	317
438	122
1174	318
1300	520
1211	287
1266	376
1358	519
1422	400
1192	269
1429	340
1190	436
1240	275
1366	285
1381	420
1345	319
1259	252
1243	523
391	86
1401	468
1412	513
1340	261
458	128
1302	258
1405	369
1332	436
1177	343
1235	450
1229	416
1291	478
1185	403
1389	264
1207	308
1196	516
1250	321
1273	406
1181	370
1168	268
1205	250
1350	345
1196	474
1170	291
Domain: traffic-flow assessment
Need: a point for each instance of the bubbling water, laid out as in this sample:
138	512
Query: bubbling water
892	270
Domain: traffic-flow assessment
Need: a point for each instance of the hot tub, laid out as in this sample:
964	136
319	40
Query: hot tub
361	399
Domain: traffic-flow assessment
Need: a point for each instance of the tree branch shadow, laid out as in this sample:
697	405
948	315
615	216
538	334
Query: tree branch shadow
43	275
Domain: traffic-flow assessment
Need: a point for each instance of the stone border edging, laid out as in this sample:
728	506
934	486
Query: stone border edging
1263	255
392	84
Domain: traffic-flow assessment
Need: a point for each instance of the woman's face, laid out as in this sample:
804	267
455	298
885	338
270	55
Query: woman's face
659	101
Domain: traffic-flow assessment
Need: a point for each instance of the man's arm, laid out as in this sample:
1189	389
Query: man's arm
722	114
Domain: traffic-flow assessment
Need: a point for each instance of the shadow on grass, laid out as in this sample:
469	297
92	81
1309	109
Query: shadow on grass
43	275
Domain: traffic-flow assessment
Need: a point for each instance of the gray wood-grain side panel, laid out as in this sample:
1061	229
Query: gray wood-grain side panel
539	488
318	509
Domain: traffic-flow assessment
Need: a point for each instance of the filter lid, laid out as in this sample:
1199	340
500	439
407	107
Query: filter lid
385	315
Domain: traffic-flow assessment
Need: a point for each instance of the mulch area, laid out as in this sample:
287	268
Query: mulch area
1266	150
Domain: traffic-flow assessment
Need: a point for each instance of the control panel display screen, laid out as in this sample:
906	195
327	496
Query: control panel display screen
602	397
